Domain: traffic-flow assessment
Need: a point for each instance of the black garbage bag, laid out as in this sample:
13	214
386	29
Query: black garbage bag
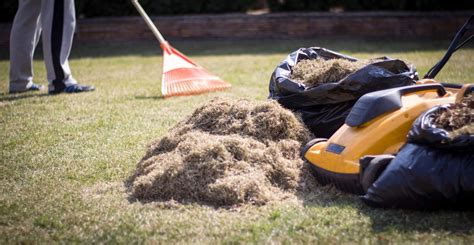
325	107
425	132
431	171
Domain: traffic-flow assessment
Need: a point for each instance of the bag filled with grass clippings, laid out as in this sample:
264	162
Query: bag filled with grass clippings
435	169
323	85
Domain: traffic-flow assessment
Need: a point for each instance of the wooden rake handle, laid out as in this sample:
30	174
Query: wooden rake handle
149	22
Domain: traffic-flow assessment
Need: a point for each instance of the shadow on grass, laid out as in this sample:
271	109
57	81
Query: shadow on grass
26	95
419	221
400	220
14	97
157	97
247	47
321	197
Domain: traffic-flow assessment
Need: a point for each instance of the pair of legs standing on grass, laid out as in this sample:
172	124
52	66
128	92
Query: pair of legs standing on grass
54	21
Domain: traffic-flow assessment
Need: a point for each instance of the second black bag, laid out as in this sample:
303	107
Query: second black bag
325	107
432	171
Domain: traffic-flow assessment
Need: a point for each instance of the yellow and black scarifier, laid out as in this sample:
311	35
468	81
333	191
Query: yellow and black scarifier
377	125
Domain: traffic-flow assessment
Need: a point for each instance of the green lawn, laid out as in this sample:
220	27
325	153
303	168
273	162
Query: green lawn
64	158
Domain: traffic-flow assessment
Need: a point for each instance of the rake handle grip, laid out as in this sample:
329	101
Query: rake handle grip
148	21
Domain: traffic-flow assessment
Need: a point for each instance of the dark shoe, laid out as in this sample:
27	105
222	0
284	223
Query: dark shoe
78	88
57	88
34	87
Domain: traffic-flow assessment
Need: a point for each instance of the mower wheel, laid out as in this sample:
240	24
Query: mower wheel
349	183
371	168
310	144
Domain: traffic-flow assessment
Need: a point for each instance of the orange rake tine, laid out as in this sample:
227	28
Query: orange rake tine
187	81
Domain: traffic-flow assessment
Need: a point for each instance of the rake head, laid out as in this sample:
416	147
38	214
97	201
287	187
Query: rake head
181	76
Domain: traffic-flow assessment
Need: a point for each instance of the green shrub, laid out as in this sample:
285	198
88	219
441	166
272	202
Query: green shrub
91	8
394	5
8	9
95	8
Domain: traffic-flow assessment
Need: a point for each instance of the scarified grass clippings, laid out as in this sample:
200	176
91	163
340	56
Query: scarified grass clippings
319	71
226	153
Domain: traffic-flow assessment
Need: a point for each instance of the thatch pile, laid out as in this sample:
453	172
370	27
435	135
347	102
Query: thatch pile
226	153
459	118
318	71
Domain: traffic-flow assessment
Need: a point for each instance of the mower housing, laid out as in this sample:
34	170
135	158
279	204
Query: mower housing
377	124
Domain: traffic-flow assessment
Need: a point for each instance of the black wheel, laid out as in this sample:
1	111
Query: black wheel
349	183
371	168
310	144
344	182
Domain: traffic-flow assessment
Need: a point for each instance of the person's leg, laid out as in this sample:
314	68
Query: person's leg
24	37
59	21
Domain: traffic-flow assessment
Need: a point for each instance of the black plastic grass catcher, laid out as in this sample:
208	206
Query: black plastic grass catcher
432	171
325	107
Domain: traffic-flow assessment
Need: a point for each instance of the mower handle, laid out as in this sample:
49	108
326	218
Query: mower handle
412	89
453	46
371	105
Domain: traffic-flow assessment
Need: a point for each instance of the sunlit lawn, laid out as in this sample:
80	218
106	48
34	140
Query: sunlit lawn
64	158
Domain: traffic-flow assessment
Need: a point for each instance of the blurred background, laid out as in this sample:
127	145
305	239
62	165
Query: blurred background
117	20
94	8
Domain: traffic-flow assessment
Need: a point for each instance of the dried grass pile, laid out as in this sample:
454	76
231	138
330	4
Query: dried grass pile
318	71
226	153
459	118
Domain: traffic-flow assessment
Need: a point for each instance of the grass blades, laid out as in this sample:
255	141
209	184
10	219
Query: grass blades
64	158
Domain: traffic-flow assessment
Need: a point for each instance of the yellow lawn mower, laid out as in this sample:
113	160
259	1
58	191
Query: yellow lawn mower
377	125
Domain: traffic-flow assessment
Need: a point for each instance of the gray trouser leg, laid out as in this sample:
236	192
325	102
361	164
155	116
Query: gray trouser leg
56	19
24	37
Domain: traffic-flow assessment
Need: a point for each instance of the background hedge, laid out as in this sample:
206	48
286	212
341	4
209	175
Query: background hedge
348	5
95	8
